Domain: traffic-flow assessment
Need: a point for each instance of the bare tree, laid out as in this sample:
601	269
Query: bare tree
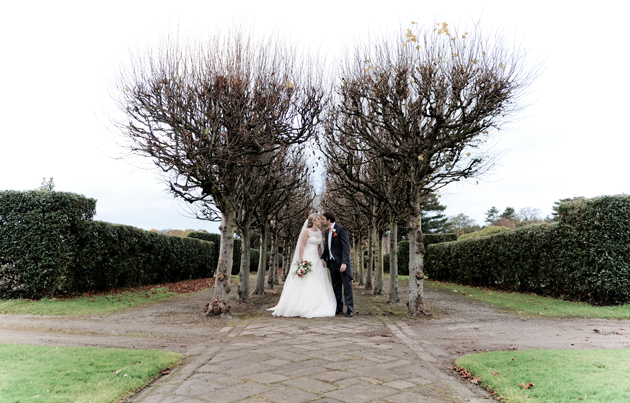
202	111
429	100
289	173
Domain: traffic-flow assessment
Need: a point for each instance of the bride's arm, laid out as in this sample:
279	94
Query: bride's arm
302	245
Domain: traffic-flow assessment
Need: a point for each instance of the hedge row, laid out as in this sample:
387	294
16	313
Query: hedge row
254	254
585	256
403	251
39	240
49	244
113	255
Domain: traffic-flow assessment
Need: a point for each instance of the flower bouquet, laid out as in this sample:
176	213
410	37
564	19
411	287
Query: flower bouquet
303	268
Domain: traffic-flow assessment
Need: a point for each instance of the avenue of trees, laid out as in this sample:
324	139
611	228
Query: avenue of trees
235	125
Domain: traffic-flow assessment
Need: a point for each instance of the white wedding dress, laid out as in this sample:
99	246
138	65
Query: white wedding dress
312	295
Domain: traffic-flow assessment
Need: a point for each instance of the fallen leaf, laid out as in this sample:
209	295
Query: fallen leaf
495	373
166	372
529	385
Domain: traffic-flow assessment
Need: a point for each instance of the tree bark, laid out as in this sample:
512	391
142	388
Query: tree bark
378	280
276	269
415	305
370	261
393	263
220	303
361	264
243	288
286	261
262	261
273	258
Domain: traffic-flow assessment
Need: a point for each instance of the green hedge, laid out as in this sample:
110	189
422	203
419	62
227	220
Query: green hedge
113	255
39	234
48	245
490	230
585	256
403	251
236	264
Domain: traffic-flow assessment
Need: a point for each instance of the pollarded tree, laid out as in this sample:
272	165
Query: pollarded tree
203	112
428	99
288	173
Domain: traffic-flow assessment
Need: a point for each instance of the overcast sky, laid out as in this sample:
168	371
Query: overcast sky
59	60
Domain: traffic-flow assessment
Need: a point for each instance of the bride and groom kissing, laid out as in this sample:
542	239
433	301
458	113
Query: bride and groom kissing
312	295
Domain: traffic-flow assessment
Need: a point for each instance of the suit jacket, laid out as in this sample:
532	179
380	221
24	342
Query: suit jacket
339	247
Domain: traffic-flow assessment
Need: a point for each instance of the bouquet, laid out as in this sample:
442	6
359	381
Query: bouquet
303	268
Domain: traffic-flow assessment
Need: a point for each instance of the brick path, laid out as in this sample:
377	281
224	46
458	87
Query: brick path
269	359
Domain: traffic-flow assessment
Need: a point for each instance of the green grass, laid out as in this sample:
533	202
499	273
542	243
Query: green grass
76	374
534	305
558	375
85	305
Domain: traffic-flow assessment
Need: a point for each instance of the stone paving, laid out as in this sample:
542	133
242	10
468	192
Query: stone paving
269	359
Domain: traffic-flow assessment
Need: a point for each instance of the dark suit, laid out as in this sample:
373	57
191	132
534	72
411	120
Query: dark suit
338	254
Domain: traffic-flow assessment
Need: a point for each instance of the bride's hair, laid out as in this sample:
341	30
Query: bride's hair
312	217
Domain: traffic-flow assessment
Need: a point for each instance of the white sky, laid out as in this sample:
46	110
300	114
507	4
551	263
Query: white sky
59	58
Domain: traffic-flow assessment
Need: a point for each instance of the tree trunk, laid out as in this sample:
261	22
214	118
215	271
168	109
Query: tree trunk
285	263
393	262
243	288
273	258
370	261
353	259
378	280
220	303
415	305
262	261
361	263
276	270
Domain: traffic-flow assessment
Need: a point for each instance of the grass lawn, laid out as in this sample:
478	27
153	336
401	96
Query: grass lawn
557	375
85	305
534	305
77	374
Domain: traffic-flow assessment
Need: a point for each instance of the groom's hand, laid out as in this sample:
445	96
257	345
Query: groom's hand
343	267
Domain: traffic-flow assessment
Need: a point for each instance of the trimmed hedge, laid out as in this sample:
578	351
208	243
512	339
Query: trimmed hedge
403	251
585	256
48	245
236	256
39	240
112	255
490	230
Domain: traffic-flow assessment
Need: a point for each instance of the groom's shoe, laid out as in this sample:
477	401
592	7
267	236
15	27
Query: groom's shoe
349	314
339	313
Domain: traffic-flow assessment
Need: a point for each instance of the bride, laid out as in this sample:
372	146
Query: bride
311	295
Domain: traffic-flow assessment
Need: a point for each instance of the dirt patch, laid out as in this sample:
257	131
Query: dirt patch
459	325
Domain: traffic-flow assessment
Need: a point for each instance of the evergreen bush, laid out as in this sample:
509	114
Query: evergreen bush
49	245
585	256
490	230
112	255
403	251
236	256
39	234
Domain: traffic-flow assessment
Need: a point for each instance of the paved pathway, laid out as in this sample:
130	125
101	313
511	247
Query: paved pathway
268	359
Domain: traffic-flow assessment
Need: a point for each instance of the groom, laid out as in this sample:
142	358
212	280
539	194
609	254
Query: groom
336	256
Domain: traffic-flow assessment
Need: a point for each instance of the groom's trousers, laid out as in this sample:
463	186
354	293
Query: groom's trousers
338	279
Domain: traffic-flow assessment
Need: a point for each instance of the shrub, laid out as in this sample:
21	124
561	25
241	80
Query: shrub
39	233
490	230
236	256
113	255
403	251
585	256
430	239
48	245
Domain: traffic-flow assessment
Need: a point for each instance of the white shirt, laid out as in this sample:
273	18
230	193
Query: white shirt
330	232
